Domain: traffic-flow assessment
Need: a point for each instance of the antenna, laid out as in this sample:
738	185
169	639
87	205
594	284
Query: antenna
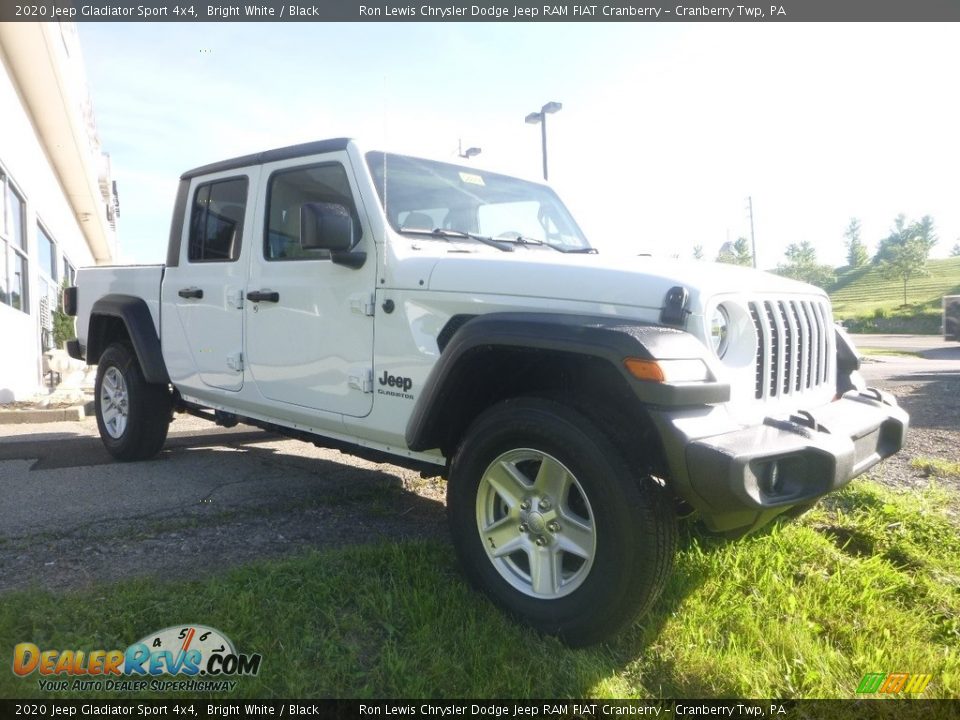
385	206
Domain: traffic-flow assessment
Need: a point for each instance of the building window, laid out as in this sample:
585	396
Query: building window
48	267
14	281
46	254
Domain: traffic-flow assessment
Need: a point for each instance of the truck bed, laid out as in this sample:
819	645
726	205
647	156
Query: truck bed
93	283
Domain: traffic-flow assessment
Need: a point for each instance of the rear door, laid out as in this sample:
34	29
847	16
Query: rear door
203	335
310	343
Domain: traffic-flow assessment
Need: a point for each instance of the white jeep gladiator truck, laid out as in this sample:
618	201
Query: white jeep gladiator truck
458	321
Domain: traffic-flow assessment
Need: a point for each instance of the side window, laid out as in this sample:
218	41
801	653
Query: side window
216	221
286	192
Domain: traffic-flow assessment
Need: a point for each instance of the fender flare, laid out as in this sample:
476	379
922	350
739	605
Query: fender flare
609	339
135	315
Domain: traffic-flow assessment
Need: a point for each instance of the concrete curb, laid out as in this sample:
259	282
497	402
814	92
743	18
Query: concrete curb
22	417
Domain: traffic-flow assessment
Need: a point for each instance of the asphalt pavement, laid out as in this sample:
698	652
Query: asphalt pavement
925	358
908	343
213	498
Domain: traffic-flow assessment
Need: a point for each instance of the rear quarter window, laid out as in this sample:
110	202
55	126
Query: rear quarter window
216	221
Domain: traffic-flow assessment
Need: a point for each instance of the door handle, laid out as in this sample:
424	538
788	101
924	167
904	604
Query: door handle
263	296
191	293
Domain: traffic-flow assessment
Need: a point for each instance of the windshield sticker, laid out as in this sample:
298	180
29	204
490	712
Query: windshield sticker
471	178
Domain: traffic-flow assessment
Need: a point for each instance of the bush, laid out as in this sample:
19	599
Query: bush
63	325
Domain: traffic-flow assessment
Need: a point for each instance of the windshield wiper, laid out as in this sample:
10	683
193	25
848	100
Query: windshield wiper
524	240
501	243
578	251
440	232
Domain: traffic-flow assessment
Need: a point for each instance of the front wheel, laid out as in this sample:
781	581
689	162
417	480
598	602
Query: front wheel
132	415
550	522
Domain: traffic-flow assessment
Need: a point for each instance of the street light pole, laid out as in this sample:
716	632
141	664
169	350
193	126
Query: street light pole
541	117
469	152
543	142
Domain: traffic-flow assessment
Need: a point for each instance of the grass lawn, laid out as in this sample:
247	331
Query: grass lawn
864	294
867	582
886	351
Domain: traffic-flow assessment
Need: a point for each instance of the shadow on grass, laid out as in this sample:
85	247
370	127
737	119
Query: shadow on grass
661	676
847	276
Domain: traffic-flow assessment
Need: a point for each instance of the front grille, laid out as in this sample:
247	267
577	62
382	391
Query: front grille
794	338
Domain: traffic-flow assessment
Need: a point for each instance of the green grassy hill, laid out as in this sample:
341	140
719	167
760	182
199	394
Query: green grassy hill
864	296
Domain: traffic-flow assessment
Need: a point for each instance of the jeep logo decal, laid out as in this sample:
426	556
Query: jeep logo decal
397	381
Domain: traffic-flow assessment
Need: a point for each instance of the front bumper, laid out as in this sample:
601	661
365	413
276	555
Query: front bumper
741	479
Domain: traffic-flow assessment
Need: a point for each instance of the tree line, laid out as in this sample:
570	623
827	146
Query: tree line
901	256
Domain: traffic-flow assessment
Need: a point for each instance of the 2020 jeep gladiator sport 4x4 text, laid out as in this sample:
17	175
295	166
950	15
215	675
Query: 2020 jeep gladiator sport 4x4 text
455	319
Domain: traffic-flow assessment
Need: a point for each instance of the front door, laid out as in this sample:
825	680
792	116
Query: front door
310	326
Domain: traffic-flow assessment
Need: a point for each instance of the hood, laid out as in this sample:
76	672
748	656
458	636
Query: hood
625	280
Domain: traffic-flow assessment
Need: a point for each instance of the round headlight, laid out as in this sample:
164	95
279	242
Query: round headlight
719	331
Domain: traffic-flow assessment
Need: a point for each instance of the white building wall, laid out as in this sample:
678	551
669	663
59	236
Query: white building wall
24	159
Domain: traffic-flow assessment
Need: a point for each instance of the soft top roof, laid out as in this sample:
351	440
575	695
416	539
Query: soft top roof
284	153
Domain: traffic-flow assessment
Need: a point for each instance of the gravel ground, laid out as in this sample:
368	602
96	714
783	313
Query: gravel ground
934	409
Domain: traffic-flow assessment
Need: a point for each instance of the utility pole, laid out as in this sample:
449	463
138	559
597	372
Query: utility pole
753	241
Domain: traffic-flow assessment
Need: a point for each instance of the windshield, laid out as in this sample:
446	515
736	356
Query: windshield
426	195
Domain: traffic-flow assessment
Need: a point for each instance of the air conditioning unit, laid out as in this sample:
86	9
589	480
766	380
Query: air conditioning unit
46	316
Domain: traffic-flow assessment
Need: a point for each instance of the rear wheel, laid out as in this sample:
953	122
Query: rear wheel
549	521
132	415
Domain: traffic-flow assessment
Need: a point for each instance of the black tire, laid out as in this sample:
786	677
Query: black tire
144	407
583	597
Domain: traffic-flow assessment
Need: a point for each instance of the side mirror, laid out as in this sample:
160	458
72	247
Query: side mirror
325	226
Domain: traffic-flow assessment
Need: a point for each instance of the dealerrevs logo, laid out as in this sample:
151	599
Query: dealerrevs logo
192	651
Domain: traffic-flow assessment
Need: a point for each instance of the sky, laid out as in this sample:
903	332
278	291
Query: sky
666	129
